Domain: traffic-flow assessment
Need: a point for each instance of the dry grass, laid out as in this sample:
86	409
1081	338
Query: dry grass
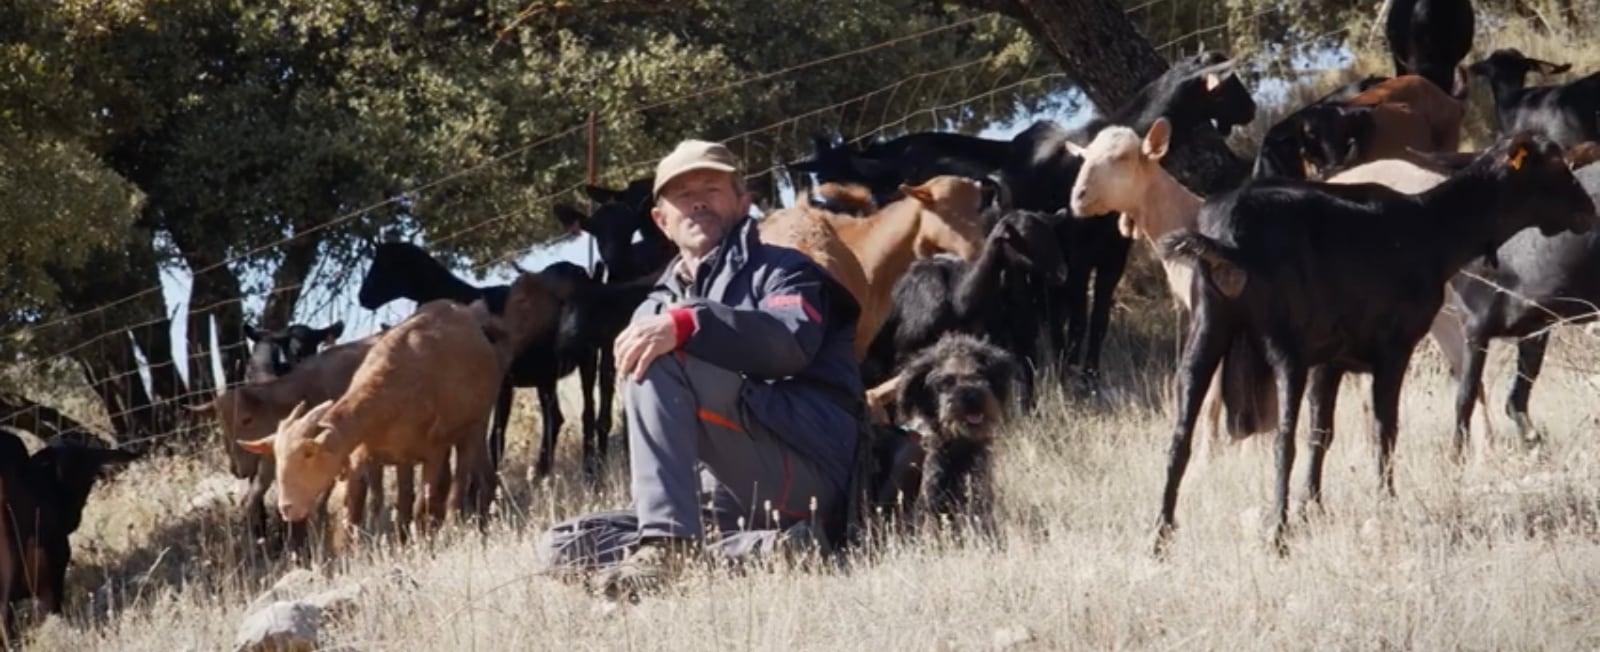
1503	553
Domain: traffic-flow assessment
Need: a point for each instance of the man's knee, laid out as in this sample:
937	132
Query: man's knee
677	372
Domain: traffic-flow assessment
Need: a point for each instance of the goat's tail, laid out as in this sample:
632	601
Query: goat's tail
1215	262
1249	388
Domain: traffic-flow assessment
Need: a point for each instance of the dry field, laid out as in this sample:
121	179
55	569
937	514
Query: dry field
1503	553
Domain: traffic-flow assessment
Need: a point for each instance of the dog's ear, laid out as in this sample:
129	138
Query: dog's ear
1009	375
913	392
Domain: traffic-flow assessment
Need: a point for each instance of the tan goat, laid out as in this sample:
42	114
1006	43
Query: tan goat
253	410
1122	173
869	254
425	389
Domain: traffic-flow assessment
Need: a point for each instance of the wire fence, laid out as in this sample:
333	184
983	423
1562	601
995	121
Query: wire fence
868	115
140	375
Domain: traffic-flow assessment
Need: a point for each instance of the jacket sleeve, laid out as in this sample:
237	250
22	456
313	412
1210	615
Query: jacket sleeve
774	340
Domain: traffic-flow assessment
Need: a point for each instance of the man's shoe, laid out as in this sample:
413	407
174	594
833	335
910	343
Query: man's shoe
650	567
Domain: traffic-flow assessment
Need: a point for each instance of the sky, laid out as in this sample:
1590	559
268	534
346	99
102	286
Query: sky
320	307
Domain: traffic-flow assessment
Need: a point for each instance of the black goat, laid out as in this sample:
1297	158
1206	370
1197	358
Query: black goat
618	215
1566	113
1337	279
1540	280
41	504
404	270
1287	143
1429	38
942	294
274	352
1196	90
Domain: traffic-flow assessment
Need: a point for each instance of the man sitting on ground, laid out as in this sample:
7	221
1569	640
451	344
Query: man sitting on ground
740	391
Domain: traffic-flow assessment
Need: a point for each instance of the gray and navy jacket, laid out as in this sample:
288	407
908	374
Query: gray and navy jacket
773	315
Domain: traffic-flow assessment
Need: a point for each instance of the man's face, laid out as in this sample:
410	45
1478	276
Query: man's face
697	208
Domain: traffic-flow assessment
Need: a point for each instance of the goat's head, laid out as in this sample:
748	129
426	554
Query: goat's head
949	219
243	414
1028	241
1207	88
305	468
1508	67
285	348
394	267
73	466
1536	180
613	225
1117	168
1330	136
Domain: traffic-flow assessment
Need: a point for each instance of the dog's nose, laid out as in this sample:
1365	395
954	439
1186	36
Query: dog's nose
970	400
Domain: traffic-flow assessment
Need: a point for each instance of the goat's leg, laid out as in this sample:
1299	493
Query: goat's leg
497	429
1324	398
1106	278
586	382
1291	376
1387	377
1076	298
435	480
373	516
405	490
1530	359
255	501
550	406
1469	388
355	503
608	391
1208	341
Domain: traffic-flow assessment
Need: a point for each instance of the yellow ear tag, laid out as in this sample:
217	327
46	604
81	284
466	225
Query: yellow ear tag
1212	81
1515	160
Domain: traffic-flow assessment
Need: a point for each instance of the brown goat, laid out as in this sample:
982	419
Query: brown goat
253	410
425	389
1441	110
868	254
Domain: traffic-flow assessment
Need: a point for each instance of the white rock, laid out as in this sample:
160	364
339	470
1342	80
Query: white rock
291	586
280	627
1006	638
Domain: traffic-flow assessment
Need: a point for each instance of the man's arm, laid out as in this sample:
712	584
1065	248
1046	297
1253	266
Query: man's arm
776	339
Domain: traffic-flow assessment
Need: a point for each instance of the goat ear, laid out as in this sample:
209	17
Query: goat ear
601	195
1157	139
1551	68
570	217
330	335
1075	149
920	193
262	446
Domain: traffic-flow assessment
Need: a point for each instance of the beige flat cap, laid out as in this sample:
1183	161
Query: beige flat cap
693	155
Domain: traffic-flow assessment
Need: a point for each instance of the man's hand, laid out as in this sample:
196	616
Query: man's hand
642	342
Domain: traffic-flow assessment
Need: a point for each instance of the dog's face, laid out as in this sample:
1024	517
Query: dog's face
962	387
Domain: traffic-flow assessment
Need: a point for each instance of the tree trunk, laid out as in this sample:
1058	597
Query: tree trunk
1101	49
217	294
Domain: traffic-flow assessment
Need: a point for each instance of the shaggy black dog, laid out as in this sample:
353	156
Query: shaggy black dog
957	395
